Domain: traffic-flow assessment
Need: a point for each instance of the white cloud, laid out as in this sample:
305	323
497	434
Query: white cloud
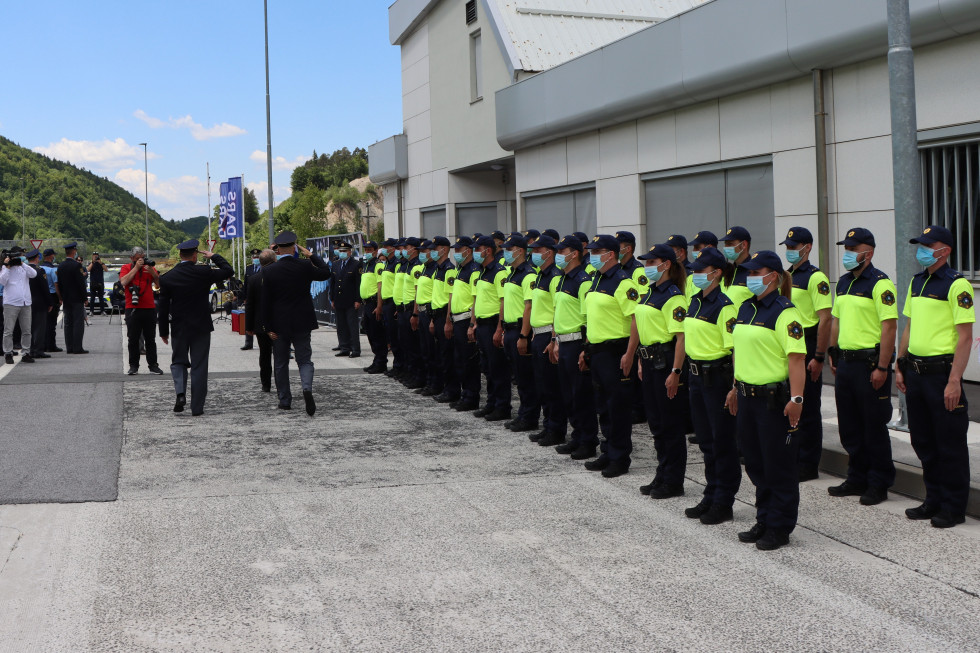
278	162
197	130
174	199
261	190
100	155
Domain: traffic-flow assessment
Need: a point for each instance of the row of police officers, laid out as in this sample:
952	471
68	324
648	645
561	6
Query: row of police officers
720	340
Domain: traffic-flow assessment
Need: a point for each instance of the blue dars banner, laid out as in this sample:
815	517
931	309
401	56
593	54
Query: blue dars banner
231	221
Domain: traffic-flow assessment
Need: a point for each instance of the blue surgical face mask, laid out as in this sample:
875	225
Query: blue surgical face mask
368	256
696	253
560	261
757	285
508	257
383	251
925	256
793	256
653	273
255	261
423	258
850	260
730	252
478	257
595	260
342	256
458	257
700	280
622	255
537	259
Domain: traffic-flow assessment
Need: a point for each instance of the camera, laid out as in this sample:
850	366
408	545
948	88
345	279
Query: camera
134	292
149	262
14	256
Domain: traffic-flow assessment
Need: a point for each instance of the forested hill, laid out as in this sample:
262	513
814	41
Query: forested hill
63	201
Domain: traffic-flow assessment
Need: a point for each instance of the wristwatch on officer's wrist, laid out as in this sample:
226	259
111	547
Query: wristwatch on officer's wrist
797	399
883	369
675	370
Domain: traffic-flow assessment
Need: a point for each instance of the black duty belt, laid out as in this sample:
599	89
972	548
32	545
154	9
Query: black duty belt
617	345
508	326
699	368
930	364
656	350
387	302
858	354
439	311
760	391
487	320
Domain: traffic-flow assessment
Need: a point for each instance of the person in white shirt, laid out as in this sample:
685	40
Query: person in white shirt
15	278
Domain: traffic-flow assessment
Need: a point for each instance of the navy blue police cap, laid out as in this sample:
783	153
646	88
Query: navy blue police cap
708	257
193	243
663	251
934	234
463	241
858	236
604	241
389	242
798	236
32	254
705	238
425	244
552	233
531	234
545	241
626	237
412	241
581	236
677	240
285	238
571	242
764	258
370	244
737	233
72	245
48	252
498	235
485	241
441	241
516	240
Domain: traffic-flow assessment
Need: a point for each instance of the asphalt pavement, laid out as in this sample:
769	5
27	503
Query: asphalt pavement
387	523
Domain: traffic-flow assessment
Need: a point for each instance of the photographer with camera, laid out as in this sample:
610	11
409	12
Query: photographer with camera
96	284
15	278
137	279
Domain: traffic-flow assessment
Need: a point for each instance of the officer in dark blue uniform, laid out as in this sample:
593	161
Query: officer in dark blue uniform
442	370
517	311
250	272
634	270
388	309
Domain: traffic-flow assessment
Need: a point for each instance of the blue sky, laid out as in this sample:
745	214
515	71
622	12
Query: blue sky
86	82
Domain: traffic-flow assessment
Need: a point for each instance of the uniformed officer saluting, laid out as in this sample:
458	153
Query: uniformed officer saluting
657	335
708	328
862	341
609	309
768	397
185	311
486	328
934	352
811	295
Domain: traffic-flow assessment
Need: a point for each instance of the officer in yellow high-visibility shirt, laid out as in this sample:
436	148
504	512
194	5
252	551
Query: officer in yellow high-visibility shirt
768	397
487	329
423	319
632	267
584	239
371	302
862	342
462	284
811	295
568	345
934	352
609	308
516	312
442	360
736	244
389	312
414	376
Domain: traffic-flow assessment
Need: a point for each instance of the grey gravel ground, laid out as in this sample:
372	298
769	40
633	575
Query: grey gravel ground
387	523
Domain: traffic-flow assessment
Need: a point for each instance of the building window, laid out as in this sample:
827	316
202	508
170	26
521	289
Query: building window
434	221
563	209
476	67
471	12
950	197
476	217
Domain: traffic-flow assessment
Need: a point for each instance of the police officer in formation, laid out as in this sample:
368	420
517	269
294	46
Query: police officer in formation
371	307
726	342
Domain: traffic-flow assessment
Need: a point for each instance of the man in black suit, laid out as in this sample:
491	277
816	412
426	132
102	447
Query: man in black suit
253	319
71	288
185	306
40	306
345	295
288	316
250	272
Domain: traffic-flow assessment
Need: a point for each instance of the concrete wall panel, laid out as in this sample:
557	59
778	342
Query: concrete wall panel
698	140
582	156
618	203
617	150
795	182
745	124
657	142
864	175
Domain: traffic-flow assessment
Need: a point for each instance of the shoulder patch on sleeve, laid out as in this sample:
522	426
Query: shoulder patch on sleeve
823	288
503	280
418	273
964	300
888	298
795	330
730	325
642	280
534	284
451	280
679	314
632	294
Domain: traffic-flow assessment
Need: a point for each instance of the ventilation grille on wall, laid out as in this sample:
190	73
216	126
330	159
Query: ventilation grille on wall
471	12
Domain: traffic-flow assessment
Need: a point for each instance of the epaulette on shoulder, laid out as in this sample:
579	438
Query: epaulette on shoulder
784	301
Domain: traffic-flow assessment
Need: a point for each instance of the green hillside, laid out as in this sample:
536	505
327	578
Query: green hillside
63	201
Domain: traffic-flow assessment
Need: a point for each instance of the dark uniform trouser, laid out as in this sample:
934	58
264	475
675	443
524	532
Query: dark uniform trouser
444	347
300	343
428	357
523	367
577	393
375	330
191	351
863	415
939	439
141	322
467	362
409	341
497	367
715	428
265	359
74	324
770	449
669	441
348	335
549	389
613	399
39	328
97	298
811	423
51	341
388	313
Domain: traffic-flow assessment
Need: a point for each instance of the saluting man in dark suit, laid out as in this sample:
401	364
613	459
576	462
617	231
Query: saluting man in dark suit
288	316
253	319
185	306
345	295
250	272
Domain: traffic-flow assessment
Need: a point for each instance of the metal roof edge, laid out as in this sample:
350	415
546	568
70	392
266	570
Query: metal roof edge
404	16
506	43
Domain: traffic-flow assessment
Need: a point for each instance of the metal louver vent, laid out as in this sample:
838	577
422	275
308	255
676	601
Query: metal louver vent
471	12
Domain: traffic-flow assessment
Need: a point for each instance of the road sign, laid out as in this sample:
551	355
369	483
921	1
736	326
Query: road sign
211	244
36	244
